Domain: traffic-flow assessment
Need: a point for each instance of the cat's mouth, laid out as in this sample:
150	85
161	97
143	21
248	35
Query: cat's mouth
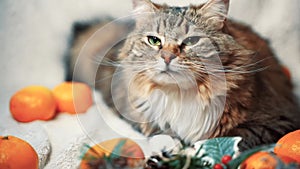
168	72
170	77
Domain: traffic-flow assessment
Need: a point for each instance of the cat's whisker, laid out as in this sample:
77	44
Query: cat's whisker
247	71
113	63
200	75
120	71
182	66
107	62
212	69
216	76
242	66
138	61
107	77
242	69
202	70
137	69
253	64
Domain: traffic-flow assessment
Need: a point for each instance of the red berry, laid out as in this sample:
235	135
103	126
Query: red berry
218	166
226	159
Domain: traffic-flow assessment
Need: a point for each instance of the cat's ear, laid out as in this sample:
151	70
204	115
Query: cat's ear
141	6
215	12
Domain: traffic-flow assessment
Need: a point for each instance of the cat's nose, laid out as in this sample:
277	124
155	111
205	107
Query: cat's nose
168	57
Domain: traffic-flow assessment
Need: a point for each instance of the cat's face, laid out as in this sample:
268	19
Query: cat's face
172	45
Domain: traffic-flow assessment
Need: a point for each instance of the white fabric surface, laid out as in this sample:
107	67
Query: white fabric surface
34	37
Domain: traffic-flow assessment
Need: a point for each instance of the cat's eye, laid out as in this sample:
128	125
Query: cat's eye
190	40
154	41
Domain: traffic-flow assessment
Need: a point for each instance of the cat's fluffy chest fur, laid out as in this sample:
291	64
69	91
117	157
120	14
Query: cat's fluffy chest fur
178	110
172	108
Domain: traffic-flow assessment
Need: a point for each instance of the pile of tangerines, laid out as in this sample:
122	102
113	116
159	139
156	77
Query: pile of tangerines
40	103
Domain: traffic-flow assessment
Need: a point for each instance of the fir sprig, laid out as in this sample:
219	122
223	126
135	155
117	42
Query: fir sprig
208	154
179	160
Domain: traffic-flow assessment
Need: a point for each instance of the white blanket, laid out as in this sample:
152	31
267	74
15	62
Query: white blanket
34	37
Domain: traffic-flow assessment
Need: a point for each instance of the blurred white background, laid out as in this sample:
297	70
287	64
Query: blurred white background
34	38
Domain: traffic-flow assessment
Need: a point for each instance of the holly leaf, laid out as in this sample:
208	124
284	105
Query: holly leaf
214	149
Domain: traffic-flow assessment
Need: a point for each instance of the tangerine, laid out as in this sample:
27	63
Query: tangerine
33	103
125	151
264	160
16	153
289	145
73	97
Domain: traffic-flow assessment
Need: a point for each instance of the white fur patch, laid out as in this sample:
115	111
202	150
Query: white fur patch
185	112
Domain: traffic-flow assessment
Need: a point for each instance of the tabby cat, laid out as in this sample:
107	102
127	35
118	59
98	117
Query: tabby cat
189	72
